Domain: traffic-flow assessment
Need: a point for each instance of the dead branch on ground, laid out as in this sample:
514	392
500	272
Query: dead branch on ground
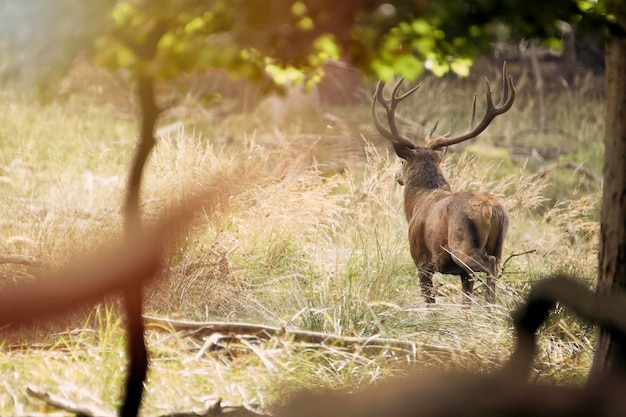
233	332
67	405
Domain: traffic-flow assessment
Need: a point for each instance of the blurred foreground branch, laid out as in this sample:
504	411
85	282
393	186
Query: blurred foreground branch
20	260
131	262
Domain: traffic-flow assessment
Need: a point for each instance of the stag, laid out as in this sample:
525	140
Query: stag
457	233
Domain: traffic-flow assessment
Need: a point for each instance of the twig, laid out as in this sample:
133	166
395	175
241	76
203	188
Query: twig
217	409
66	405
513	255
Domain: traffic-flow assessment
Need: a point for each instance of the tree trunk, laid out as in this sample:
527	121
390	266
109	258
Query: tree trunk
133	294
539	85
612	259
568	62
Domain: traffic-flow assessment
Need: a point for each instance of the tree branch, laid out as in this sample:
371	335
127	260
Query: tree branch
133	293
513	255
234	331
66	405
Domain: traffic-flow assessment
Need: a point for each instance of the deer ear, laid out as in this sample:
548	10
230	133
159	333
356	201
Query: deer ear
403	150
441	152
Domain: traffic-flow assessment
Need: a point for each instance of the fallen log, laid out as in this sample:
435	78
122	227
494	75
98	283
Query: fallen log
232	331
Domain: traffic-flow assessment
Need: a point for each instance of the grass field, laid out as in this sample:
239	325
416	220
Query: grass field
305	231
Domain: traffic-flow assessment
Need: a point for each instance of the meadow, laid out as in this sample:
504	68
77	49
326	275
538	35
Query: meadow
304	231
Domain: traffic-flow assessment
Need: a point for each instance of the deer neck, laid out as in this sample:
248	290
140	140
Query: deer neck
421	186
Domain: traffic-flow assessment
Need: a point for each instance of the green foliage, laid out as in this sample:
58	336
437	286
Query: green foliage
164	38
251	38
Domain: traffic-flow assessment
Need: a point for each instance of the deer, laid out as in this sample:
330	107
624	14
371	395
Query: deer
451	232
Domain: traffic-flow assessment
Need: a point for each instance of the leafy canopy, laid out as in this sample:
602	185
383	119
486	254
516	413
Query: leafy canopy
281	41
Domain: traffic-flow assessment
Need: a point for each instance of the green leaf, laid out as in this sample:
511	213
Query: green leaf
461	66
408	66
196	24
437	66
552	43
383	70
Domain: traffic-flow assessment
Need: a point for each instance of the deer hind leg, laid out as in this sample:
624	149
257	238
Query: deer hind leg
494	245
478	262
426	282
492	274
467	282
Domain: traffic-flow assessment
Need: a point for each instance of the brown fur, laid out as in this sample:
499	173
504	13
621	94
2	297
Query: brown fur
456	233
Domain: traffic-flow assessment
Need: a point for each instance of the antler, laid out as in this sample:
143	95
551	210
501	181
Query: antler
508	96
400	143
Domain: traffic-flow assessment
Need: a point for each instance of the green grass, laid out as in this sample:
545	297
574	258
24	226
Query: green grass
284	242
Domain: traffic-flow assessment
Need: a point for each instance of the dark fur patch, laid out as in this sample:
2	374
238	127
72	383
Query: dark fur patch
473	231
504	225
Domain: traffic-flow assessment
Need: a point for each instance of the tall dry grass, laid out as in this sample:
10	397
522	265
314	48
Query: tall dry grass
282	242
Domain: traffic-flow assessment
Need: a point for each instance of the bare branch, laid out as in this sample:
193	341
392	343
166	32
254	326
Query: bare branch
374	343
513	255
67	405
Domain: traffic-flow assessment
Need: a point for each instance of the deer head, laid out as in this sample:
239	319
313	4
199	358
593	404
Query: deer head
410	151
